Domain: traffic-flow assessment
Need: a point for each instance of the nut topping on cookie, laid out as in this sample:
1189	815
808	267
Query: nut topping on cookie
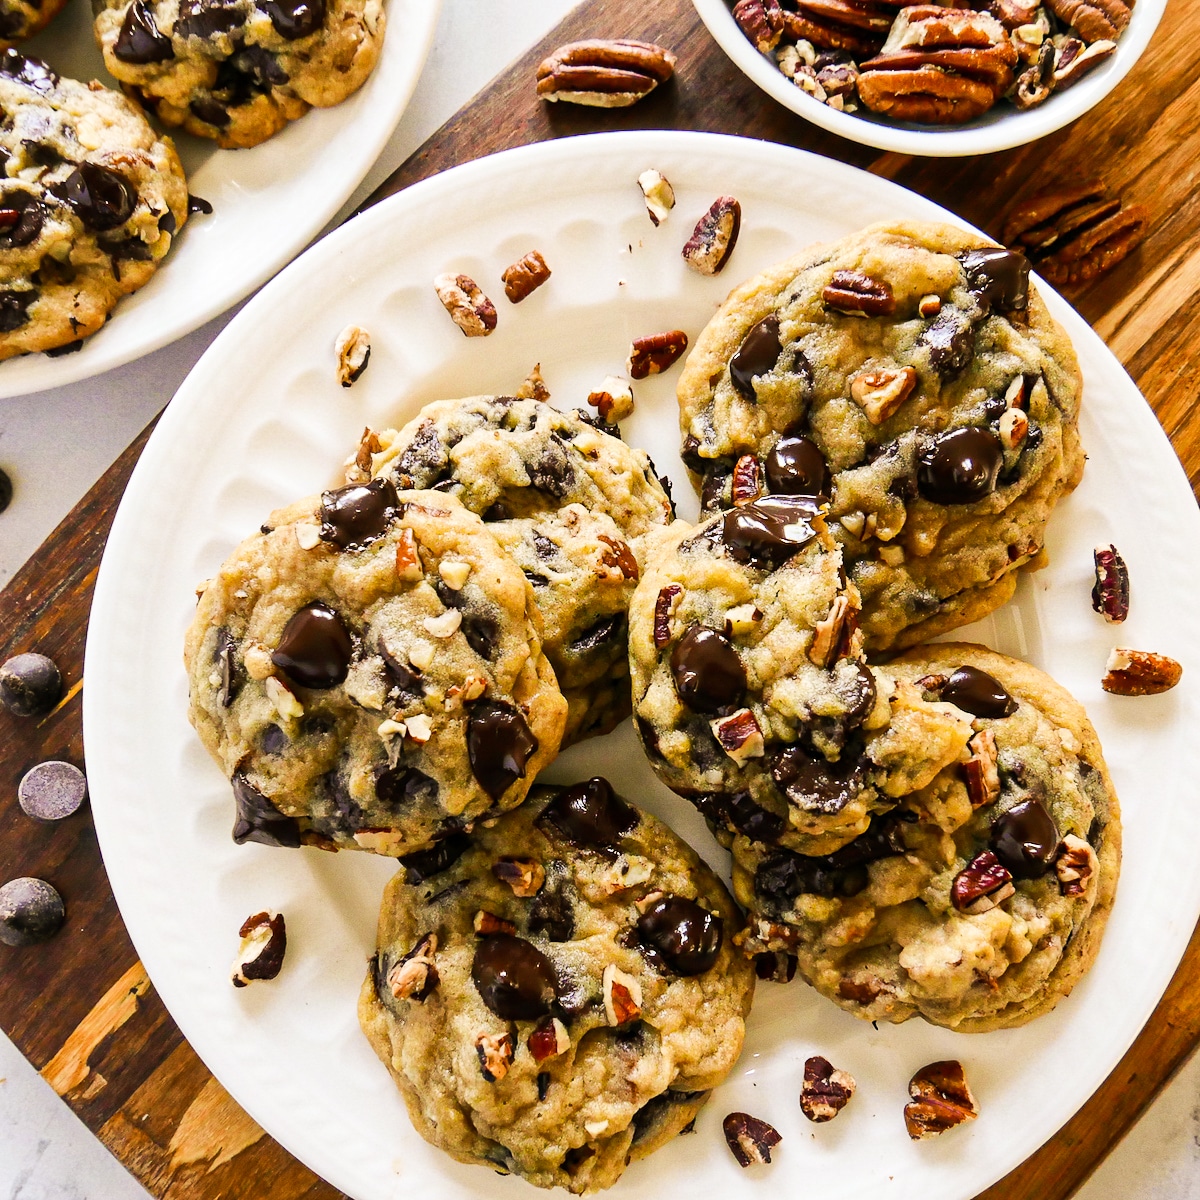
415	976
827	633
1110	593
857	295
1074	866
746	485
524	875
1139	673
468	307
880	393
622	996
549	1039
716	234
941	1099
750	1139
824	1092
664	607
264	943
983	779
981	885
495	1052
486	923
604	74
739	735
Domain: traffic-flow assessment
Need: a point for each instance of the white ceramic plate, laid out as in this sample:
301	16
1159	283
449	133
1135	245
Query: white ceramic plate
1000	129
268	202
261	421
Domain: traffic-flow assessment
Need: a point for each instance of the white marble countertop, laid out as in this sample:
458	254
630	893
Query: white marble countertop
56	444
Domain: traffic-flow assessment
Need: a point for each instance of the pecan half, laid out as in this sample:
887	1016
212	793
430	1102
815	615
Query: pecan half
857	27
857	295
880	393
353	348
622	996
263	945
981	885
658	194
750	1139
1075	864
549	1039
761	21
415	976
653	354
982	774
940	1100
824	1092
614	400
618	555
1093	20
525	276
604	74
495	1052
468	307
746	485
1110	592
1139	673
739	735
664	609
524	875
715	235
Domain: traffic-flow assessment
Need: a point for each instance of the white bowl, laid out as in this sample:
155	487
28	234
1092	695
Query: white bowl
1000	129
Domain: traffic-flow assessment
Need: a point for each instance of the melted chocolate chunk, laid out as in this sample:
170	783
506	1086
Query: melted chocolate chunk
32	72
553	473
513	977
22	216
771	530
678	935
482	634
1025	839
210	112
258	820
101	198
796	467
977	692
607	631
140	41
14	308
315	649
401	788
273	740
295	18
424	461
355	516
815	785
950	340
425	864
857	692
998	277
738	810
263	69
709	675
757	355
499	745
207	18
404	677
590	814
551	911
961	466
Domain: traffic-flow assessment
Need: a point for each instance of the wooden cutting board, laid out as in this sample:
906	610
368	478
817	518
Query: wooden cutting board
81	1007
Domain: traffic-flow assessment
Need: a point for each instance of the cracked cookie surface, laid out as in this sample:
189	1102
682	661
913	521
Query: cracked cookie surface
910	373
91	199
571	505
981	900
570	1020
367	670
238	71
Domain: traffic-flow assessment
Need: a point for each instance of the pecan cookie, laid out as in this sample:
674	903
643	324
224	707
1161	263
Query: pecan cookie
368	672
980	902
570	503
238	71
910	374
21	19
751	695
91	199
558	996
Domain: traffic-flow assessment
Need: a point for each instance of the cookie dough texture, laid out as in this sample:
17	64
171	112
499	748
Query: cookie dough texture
91	199
613	1093
877	930
929	549
368	673
238	71
21	19
569	503
752	697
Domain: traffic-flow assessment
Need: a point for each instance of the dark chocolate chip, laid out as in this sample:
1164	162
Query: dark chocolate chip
404	676
210	112
425	461
961	466
100	197
232	675
30	685
30	71
950	340
607	631
31	911
258	820
197	204
757	355
676	933
709	675
513	977
207	18
273	740
14	309
355	516
6	489
553	472
1025	839
140	40
262	67
52	791
815	785
771	530
856	690
552	911
740	811
441	856
977	692
590	814
22	216
482	633
796	466
499	745
716	487
315	648
543	1084
998	277
402	787
295	18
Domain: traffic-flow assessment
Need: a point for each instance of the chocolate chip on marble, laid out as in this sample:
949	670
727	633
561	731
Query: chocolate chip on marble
99	196
295	19
961	466
709	676
258	820
315	648
513	977
499	745
757	355
795	466
998	277
31	911
771	530
441	856
677	934
977	692
52	791
30	684
590	814
355	516
1025	839
140	41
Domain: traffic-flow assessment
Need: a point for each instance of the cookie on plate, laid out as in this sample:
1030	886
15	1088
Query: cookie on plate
913	375
368	672
238	71
570	503
560	998
751	694
980	902
91	199
21	19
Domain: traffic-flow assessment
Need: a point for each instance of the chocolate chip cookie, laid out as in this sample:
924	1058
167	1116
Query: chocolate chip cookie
238	71
570	503
91	199
981	900
751	694
368	672
558	995
21	19
912	376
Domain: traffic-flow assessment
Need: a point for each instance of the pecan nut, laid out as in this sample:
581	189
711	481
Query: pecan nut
1093	20
353	348
604	74
746	483
487	923
981	885
658	194
534	386
739	735
981	770
525	276
416	975
941	1099
549	1039
468	307
261	951
1110	592
1075	864
524	875
495	1051
715	235
857	295
827	633
824	1092
655	353
614	399
622	996
620	556
1036	82
1139	673
664	609
750	1139
761	21
857	27
880	393
1073	60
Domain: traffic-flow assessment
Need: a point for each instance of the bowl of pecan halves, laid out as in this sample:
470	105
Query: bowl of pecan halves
928	79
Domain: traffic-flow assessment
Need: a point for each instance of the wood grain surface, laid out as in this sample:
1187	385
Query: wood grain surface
81	1007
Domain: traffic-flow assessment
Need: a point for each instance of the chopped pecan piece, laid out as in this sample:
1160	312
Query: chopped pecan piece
1139	673
1014	13
715	235
750	1139
761	21
368	446
1110	592
1013	427
655	353
658	194
487	923
524	875
880	393
940	1100
495	1052
1036	82
1093	20
1073	60
525	276
353	349
824	1092
1075	864
408	561
827	633
549	1039
664	608
746	484
261	951
739	735
983	777
604	74
619	555
981	885
415	976
468	307
858	295
622	996
614	400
